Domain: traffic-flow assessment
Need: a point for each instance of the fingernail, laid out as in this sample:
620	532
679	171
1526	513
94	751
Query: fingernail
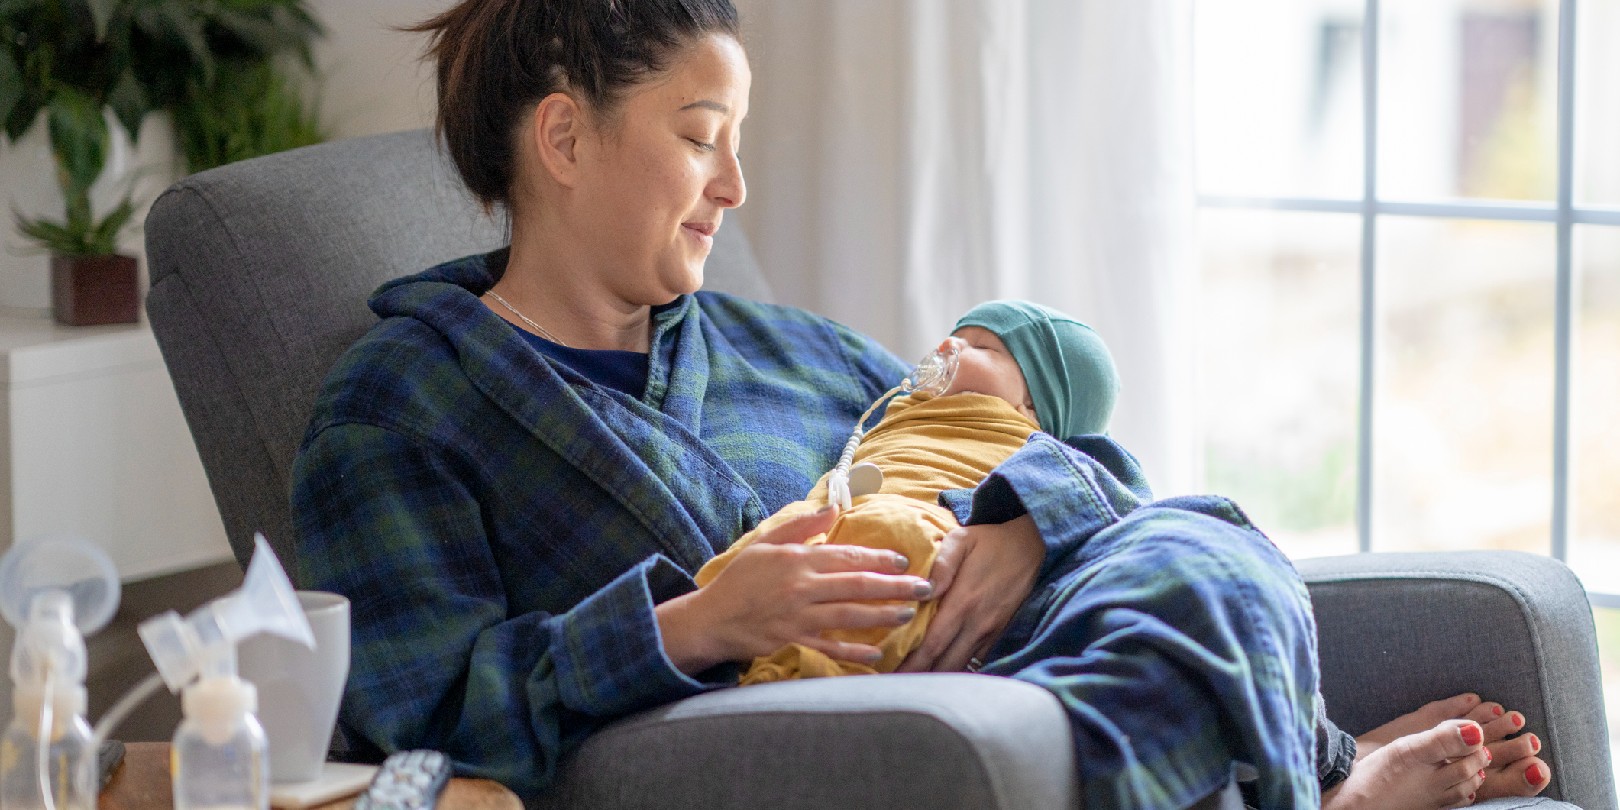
901	562
1535	744
1535	775
874	656
823	510
905	615
1472	734
923	589
1518	720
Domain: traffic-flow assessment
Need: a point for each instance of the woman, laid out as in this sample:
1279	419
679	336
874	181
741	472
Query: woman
515	473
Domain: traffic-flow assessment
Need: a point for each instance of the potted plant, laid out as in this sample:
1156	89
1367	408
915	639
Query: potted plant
71	63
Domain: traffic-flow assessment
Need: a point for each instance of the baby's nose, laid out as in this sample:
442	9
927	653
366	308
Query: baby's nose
950	344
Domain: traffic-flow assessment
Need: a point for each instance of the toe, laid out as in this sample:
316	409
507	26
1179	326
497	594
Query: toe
1463	705
1484	713
1502	727
1451	740
1526	777
1505	753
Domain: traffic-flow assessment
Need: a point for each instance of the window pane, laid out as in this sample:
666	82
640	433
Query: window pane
1278	97
1462	425
1467	101
1595	427
1597	108
1278	349
1608	636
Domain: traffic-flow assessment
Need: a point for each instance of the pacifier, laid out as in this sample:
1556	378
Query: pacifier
932	374
847	481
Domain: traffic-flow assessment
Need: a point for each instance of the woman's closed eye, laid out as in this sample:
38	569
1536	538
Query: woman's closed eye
701	144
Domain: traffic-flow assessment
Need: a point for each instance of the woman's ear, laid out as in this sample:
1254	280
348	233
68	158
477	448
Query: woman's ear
558	127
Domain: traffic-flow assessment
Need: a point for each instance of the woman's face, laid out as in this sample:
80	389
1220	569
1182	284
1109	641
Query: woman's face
984	366
659	175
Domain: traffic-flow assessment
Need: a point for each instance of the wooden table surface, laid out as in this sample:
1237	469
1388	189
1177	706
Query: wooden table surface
142	782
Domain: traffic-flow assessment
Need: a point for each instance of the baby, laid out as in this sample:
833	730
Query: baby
1020	367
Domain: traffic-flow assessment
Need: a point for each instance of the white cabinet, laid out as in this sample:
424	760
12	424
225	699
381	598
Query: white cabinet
94	445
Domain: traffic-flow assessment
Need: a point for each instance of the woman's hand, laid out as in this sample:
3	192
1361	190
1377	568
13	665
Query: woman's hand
981	575
779	591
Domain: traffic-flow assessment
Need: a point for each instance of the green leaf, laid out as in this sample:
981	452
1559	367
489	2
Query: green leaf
10	7
23	115
76	236
11	85
182	26
102	240
101	11
79	140
129	103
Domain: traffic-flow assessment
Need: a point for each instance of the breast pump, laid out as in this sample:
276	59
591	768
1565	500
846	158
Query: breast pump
54	591
847	481
221	759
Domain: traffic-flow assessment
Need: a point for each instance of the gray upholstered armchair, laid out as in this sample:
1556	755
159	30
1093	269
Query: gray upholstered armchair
260	273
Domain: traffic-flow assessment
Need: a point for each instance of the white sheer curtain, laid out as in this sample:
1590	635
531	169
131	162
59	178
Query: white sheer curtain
907	159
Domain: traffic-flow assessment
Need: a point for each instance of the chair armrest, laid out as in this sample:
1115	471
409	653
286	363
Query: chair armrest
1399	630
894	741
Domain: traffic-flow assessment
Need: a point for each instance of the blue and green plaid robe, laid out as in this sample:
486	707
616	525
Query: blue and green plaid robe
504	529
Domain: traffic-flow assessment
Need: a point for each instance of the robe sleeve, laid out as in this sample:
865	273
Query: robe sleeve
1072	490
438	660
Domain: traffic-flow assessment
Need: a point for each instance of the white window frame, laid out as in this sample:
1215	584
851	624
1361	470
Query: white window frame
1562	213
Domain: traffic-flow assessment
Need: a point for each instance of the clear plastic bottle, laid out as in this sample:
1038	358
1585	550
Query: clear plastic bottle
221	761
68	758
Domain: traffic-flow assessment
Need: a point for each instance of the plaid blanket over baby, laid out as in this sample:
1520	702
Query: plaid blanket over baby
504	528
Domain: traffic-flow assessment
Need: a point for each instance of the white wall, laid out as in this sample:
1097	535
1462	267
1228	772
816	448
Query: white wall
373	82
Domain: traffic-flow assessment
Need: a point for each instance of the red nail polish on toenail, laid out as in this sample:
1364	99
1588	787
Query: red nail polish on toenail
1487	756
1496	711
1535	775
1470	797
1518	720
1471	734
1535	744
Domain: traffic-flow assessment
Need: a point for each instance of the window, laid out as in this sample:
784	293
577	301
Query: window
1409	248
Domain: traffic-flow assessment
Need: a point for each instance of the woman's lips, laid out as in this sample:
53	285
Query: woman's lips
702	231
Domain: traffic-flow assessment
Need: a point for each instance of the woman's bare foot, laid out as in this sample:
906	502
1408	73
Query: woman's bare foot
1513	769
1441	767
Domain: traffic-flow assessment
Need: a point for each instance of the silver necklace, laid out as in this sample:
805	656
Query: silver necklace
527	320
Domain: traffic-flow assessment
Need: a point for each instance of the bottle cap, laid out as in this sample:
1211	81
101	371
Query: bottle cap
67	702
217	705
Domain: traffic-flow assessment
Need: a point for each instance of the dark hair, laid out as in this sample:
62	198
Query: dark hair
498	58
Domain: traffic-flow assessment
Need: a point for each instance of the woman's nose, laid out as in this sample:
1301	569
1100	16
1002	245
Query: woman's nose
728	189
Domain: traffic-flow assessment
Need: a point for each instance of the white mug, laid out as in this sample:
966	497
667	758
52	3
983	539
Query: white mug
300	688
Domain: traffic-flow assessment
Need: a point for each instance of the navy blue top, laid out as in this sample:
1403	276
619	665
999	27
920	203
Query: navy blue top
610	368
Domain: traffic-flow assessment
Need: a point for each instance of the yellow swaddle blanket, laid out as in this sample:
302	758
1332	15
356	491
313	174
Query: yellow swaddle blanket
924	445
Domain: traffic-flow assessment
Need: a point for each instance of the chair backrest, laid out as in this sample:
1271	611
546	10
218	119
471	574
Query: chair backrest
260	274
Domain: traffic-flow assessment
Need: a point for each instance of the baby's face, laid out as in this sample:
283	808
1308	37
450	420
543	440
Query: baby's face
984	366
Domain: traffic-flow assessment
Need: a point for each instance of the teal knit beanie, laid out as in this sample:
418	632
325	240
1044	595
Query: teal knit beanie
1069	371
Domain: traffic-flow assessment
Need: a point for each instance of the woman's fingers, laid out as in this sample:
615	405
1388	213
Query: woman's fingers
993	571
860	586
800	528
828	558
845	650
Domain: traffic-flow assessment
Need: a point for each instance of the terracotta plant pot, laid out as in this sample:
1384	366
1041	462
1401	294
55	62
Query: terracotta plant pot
94	290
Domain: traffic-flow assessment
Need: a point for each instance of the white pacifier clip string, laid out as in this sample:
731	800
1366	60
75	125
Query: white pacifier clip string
838	492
